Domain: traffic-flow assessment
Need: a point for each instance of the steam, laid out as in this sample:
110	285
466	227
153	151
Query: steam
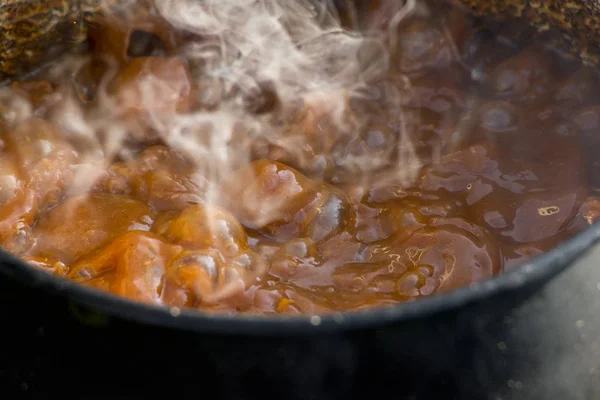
296	51
296	48
239	52
286	43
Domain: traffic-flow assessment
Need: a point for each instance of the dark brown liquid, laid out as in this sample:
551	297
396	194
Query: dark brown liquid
499	123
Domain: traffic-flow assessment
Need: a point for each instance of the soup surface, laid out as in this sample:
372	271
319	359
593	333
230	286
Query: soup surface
465	159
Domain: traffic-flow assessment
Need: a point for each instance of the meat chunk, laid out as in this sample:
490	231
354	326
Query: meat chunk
292	257
16	218
40	173
422	45
132	266
154	84
380	220
218	263
310	134
331	217
267	194
33	141
149	90
206	277
11	180
41	94
161	176
587	119
44	157
577	89
282	203
142	266
525	77
205	226
83	223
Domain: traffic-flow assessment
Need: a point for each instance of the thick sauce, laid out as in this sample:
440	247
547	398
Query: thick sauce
499	127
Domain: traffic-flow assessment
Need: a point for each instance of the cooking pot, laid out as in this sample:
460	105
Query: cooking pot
87	343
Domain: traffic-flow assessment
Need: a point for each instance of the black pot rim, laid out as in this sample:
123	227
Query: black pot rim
537	270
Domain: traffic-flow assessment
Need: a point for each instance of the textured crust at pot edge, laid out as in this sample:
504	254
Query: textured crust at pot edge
30	28
578	20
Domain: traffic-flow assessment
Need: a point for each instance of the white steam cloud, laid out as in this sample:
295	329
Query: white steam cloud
297	49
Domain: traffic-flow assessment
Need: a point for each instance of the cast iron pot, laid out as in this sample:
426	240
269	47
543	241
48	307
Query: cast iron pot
63	339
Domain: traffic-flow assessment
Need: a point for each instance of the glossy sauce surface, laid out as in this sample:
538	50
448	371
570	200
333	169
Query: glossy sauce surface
499	126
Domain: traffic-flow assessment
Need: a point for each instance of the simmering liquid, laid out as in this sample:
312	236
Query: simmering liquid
467	158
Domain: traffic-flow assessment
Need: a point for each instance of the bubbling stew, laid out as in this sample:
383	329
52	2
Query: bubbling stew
466	158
